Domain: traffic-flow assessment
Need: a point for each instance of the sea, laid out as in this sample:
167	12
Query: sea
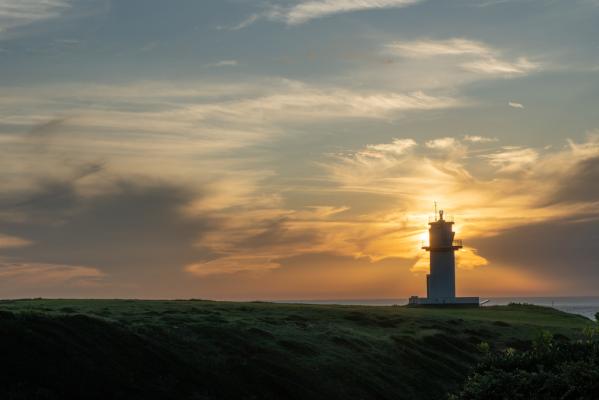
586	306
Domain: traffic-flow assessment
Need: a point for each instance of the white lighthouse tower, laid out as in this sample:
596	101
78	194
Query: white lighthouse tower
440	282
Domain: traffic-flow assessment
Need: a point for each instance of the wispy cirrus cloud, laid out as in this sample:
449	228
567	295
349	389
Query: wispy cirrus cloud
494	66
224	63
398	146
24	12
514	104
248	111
442	143
512	159
7	241
130	128
31	279
307	10
37	274
478	139
431	48
472	56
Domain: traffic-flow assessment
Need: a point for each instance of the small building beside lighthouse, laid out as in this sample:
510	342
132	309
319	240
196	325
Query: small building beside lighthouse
440	282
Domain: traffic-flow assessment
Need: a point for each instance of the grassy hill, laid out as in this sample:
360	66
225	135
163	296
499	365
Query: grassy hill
99	349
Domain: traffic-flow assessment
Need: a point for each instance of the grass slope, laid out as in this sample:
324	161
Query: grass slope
129	349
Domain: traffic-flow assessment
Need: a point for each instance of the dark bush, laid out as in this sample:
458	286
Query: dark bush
550	370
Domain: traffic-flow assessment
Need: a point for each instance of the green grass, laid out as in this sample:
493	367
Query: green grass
204	349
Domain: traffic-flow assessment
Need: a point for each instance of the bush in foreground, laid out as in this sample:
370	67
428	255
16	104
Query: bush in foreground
550	370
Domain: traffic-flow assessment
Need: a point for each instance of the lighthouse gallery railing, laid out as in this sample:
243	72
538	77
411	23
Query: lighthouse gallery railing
454	243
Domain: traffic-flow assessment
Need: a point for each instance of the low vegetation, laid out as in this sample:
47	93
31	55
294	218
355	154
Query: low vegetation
549	370
99	349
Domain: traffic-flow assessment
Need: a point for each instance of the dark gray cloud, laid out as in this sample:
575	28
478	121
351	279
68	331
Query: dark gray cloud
134	230
581	184
47	128
275	233
39	140
53	199
564	250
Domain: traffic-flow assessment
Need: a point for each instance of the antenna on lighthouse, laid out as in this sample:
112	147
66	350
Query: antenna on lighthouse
435	210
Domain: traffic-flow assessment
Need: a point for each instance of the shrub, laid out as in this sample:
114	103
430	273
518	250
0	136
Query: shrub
591	333
543	341
484	347
548	371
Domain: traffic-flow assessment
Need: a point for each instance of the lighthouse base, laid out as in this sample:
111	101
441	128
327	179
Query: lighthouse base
447	301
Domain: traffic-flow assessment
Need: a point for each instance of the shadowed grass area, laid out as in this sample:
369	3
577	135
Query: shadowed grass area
204	350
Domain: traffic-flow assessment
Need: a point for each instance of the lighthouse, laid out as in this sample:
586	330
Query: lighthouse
440	282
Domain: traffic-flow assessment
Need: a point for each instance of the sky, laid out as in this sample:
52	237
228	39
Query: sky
294	149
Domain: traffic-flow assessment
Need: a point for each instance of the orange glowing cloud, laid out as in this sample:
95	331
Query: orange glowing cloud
404	178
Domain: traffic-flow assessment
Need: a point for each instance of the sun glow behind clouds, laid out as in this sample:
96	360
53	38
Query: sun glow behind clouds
484	206
406	178
423	238
378	197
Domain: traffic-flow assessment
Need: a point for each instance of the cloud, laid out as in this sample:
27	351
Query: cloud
137	237
231	189
494	66
558	250
258	239
469	55
14	14
397	147
442	143
224	63
478	139
145	176
492	3
36	274
314	276
148	185
205	135
41	279
308	10
170	122
433	48
232	265
579	184
513	104
446	148
512	159
150	46
202	101
149	231
524	186
306	101
7	241
241	25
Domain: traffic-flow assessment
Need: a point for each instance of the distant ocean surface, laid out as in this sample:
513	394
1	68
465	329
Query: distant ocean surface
586	306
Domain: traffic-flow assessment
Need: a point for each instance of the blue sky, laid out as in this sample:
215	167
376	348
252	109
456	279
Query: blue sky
293	149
